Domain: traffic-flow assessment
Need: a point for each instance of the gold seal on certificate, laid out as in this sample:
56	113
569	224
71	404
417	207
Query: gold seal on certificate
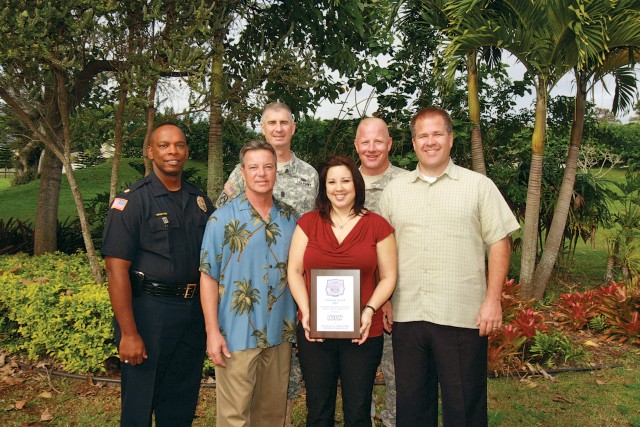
335	303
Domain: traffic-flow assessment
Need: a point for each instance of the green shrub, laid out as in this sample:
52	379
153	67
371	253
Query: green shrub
598	323
16	236
555	349
52	307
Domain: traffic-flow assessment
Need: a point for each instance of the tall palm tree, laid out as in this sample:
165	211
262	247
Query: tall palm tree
246	296
620	22
549	38
443	15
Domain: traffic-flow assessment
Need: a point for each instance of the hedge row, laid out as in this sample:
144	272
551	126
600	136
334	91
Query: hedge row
50	306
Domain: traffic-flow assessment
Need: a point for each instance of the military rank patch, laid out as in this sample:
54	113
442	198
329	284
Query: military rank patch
119	203
201	204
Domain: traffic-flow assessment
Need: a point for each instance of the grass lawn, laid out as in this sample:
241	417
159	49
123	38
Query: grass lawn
21	201
5	183
609	397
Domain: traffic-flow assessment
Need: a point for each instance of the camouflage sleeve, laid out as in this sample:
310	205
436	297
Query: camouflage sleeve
316	182
233	187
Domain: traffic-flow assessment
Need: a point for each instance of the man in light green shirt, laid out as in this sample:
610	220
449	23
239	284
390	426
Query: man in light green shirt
446	302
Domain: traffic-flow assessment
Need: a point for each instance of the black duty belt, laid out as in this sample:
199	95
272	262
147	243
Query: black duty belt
187	291
139	283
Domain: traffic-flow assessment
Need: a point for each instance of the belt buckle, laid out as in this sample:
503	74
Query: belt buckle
190	290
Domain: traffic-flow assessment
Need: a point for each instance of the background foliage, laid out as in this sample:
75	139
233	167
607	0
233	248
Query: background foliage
50	307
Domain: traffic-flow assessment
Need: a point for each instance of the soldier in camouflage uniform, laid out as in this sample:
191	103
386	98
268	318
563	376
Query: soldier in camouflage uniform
296	185
373	143
296	181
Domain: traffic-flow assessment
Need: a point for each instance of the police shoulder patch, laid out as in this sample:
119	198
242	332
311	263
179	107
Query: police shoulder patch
119	203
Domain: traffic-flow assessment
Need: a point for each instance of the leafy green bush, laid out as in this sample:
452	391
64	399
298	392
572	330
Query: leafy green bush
598	323
554	349
52	307
16	236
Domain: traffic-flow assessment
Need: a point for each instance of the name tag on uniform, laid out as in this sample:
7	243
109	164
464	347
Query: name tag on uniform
119	203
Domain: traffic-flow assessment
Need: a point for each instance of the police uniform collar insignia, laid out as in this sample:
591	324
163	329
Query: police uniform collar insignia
201	204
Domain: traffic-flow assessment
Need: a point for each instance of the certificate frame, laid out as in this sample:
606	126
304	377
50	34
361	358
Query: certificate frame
340	301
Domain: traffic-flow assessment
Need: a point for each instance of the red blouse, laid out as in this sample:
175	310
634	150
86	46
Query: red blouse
357	250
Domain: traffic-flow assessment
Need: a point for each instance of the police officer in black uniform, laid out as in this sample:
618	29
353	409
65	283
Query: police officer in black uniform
151	247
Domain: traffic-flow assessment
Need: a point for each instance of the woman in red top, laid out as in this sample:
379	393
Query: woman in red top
342	234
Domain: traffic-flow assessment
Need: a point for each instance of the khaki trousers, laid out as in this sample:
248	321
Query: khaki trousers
252	390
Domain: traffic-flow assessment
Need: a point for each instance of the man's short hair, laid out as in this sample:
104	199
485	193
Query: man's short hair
431	111
257	144
277	105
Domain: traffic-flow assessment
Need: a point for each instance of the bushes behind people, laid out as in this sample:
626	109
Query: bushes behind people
50	307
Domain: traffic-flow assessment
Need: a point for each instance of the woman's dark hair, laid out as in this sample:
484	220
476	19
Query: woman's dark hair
323	204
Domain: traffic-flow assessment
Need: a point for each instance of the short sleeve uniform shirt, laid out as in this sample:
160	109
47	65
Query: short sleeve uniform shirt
160	232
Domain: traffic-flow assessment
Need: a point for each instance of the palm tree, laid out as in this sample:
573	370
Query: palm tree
261	337
237	237
442	15
620	23
205	267
289	330
549	38
245	297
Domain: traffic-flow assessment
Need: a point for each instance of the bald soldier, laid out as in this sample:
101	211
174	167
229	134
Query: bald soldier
373	144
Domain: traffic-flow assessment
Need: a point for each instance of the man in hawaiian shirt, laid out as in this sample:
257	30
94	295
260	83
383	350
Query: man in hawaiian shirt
248	309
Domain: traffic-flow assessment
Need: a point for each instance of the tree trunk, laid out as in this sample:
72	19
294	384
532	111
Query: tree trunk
611	263
534	187
96	269
27	160
63	107
215	174
117	143
151	121
556	230
45	228
477	153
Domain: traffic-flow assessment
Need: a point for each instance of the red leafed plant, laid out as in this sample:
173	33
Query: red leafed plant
573	310
621	308
505	347
529	321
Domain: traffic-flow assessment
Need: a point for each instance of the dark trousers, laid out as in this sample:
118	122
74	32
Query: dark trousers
323	363
168	381
426	354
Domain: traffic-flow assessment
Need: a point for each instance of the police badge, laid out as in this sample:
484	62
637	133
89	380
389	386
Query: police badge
201	203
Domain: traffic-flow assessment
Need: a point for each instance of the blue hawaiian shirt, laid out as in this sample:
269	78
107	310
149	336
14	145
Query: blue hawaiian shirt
248	258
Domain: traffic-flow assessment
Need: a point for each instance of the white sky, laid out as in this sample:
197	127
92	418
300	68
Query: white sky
363	103
355	104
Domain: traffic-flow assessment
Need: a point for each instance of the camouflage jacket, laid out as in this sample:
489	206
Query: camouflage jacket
296	185
374	190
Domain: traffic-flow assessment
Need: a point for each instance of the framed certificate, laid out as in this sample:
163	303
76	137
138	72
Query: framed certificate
335	303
